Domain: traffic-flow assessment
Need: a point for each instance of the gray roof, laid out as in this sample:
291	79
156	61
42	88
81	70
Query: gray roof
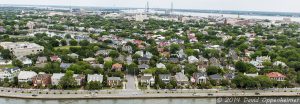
199	74
164	76
95	77
143	66
114	78
181	77
146	77
174	60
10	70
229	75
216	77
42	58
57	75
65	65
144	59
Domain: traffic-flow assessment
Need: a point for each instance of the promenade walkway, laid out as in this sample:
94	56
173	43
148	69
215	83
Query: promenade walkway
120	93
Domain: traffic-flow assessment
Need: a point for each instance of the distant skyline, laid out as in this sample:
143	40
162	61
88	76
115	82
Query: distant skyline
239	5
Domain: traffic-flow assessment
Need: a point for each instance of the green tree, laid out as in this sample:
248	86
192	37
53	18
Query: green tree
73	42
94	85
68	81
68	36
6	54
174	48
132	69
213	70
84	43
63	42
17	63
113	54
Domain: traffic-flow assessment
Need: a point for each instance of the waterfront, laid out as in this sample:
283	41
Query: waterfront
111	101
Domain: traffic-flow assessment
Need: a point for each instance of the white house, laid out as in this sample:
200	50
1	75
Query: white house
257	64
148	79
279	63
25	76
5	74
26	61
56	78
192	59
95	77
161	65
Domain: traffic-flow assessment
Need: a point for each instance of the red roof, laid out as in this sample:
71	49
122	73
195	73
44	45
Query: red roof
54	57
116	66
275	75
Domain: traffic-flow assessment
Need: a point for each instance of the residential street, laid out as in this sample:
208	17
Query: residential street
131	82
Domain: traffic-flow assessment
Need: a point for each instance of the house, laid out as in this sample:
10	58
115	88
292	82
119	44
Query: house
25	76
174	60
229	76
148	79
166	78
251	74
192	59
21	49
102	52
56	78
216	77
5	62
40	60
143	67
79	78
263	58
114	81
200	77
181	54
214	62
120	58
5	74
97	66
65	65
203	62
181	79
106	59
89	60
73	55
144	54
276	76
2	29
26	61
279	63
143	60
127	49
13	71
55	58
41	80
129	59
257	64
161	65
95	77
117	67
233	55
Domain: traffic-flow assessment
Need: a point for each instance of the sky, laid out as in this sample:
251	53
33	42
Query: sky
244	5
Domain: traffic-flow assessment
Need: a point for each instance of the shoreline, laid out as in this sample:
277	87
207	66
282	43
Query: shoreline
115	96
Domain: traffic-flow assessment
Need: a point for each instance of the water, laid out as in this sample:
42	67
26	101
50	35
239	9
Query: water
111	101
273	18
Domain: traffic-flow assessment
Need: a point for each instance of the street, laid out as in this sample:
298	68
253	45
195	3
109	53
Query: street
131	82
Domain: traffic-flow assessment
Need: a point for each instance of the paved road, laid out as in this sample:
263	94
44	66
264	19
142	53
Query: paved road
131	82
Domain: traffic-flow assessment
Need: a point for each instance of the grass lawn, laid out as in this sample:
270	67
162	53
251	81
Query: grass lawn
65	47
6	66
